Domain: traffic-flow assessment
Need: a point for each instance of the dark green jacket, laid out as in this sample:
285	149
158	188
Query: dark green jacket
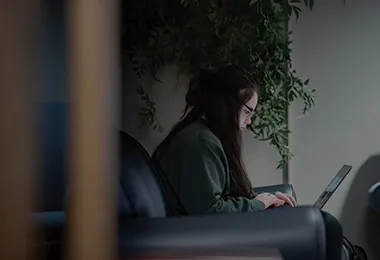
195	170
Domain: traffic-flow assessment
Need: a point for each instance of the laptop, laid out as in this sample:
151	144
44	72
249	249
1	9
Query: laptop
333	185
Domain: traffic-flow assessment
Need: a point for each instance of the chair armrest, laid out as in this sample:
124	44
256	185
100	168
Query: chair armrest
284	188
295	232
374	197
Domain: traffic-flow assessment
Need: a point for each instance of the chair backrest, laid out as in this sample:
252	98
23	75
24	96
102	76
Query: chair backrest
139	192
139	181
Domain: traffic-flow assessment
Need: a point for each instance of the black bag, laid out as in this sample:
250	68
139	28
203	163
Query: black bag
353	252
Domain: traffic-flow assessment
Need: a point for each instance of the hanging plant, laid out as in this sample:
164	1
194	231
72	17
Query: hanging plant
199	34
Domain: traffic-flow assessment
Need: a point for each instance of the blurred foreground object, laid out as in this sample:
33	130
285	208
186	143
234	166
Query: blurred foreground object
20	31
93	49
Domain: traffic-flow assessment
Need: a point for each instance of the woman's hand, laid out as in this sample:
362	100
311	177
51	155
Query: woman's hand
270	200
287	198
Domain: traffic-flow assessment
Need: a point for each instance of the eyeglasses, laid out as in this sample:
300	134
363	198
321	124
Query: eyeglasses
249	111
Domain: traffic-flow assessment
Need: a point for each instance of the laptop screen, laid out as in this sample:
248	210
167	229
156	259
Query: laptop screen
333	185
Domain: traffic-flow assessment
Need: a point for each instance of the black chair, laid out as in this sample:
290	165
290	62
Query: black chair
374	197
298	233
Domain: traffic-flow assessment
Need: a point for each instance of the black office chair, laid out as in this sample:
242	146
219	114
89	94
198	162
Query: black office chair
298	233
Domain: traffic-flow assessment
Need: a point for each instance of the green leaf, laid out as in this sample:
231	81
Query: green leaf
296	11
212	16
185	3
252	2
213	4
140	91
311	4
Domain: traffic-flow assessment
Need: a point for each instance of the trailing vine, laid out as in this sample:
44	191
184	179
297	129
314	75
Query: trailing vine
198	34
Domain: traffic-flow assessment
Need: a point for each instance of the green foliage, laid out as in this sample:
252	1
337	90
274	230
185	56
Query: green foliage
198	34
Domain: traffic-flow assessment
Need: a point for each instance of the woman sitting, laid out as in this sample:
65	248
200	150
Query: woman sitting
201	161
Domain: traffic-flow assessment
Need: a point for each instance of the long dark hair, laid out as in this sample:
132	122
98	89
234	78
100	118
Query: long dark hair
217	95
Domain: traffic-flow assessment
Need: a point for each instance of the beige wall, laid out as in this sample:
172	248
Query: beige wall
337	47
260	159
